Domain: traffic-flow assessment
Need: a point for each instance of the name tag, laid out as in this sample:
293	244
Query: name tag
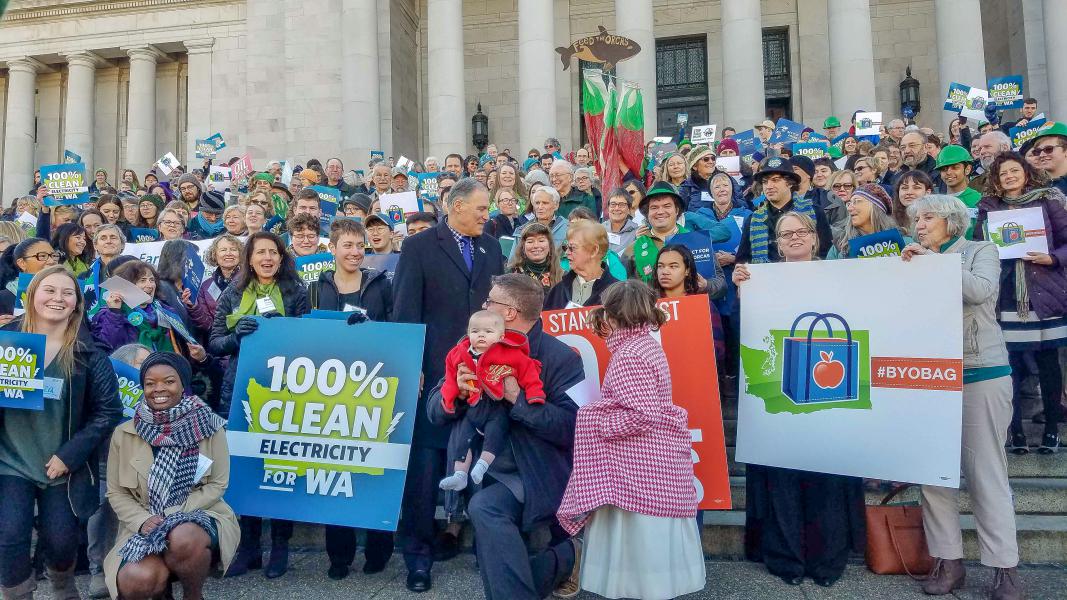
265	305
706	197
53	387
353	308
614	239
740	222
573	304
973	212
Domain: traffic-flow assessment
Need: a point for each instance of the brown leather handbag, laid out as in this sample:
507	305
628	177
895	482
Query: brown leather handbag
896	542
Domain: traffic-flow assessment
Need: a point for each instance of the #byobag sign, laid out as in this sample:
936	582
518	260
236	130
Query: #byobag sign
321	433
838	376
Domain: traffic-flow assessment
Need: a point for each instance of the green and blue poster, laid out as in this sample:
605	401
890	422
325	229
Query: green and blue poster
22	379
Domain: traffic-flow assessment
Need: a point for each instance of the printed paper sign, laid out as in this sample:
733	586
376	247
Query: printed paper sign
70	157
812	150
311	267
427	185
242	168
398	206
730	164
1017	231
1006	92
66	184
687	334
132	296
217	141
22	370
703	134
956	97
130	391
974	104
377	155
786	132
835	371
1022	134
204	149
869	123
321	432
168	162
329	199
219	178
883	243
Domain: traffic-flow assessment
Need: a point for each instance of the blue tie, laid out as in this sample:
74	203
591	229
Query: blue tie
468	252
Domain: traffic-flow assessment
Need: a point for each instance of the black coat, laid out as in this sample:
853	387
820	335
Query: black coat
541	437
501	225
433	286
224	342
376	294
560	294
95	410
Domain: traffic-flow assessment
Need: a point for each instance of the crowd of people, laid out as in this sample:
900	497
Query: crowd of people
504	238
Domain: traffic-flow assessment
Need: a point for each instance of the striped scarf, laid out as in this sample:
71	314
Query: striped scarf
177	433
759	233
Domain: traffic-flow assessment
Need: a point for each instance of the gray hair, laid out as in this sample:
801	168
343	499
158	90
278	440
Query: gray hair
547	189
880	221
896	123
949	208
171	211
536	176
584	171
431	158
553	142
1000	138
128	353
463	189
563	165
273	163
109	227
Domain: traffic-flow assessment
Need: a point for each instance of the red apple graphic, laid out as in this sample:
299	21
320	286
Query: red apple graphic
828	372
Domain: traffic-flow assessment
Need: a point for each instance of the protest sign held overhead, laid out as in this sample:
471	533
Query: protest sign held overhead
604	49
66	184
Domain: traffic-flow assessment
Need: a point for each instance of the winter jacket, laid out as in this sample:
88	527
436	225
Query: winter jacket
626	236
692	191
508	357
112	328
560	295
573	200
375	294
95	410
983	340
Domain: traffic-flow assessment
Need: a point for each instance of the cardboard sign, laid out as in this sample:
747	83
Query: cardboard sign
70	157
703	134
812	150
217	141
320	432
1006	92
242	168
835	370
398	206
311	267
22	380
204	149
194	272
168	162
687	341
869	123
219	178
748	142
883	243
149	251
956	96
329	199
786	132
974	104
1022	134
730	164
130	391
699	243
1018	231
66	184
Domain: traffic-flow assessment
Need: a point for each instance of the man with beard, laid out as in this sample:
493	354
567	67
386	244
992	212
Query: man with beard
916	157
190	189
989	147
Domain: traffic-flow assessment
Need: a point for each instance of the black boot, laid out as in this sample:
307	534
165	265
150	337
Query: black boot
278	563
249	552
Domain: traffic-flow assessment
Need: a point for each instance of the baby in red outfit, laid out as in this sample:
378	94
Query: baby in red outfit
492	353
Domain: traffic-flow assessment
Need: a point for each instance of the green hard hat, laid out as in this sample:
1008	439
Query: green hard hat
1050	128
831	122
952	155
835	152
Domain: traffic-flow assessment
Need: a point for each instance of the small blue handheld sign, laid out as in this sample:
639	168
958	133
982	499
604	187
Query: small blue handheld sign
883	243
22	380
194	272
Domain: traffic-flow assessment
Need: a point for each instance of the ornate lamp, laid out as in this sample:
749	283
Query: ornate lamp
480	129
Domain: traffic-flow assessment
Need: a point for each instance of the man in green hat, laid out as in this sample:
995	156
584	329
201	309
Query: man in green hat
954	163
1048	151
665	215
832	127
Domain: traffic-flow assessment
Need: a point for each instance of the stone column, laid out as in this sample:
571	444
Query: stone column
448	118
634	20
19	131
537	73
743	100
360	101
198	97
141	111
81	95
851	58
960	49
1056	55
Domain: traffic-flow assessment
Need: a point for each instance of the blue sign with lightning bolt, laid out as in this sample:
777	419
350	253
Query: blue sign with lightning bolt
320	432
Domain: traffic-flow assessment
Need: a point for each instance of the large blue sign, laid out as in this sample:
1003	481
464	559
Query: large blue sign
321	432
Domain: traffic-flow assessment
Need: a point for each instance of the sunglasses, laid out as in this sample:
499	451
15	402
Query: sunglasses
1045	150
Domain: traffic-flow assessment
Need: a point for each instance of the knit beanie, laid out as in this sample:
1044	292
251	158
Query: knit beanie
310	175
729	144
188	178
154	199
805	164
697	153
212	202
876	194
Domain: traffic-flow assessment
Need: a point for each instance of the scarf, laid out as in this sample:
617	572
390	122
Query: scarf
1022	294
210	229
540	272
149	333
177	433
76	266
760	234
281	207
247	307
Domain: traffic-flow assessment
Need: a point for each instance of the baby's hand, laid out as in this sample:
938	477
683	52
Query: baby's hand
464	375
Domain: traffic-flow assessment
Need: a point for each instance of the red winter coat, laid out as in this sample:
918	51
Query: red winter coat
508	357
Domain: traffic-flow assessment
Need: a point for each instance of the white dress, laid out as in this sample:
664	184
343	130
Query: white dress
629	555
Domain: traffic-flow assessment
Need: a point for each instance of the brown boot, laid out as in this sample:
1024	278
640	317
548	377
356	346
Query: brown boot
63	587
946	577
22	591
1006	585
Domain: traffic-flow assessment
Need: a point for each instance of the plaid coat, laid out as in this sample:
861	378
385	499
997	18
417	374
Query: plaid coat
632	447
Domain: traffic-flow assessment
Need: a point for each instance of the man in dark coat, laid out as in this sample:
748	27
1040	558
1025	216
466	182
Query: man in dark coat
443	276
526	482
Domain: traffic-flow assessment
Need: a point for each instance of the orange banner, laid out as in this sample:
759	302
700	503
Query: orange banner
687	342
917	373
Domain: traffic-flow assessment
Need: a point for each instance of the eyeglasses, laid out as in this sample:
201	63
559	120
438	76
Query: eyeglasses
855	201
569	247
170	223
795	233
305	237
489	301
505	200
187	186
707	159
618	205
1044	150
837	187
43	256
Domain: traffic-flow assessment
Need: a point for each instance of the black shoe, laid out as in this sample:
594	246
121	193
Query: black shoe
278	563
792	580
246	560
824	581
445	547
374	566
419	581
1017	444
337	572
1050	443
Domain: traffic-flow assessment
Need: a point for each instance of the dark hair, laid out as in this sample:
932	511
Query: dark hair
9	269
346	227
825	162
900	212
527	294
421	217
172	259
582	212
307	194
312	163
935	140
637	184
458	157
445	175
302	221
339	161
62	235
618	193
1030	101
93	211
544	156
690	284
108	198
628	304
135	269
1035	178
286	270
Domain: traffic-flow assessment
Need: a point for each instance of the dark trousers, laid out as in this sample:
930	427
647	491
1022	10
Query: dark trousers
1049	375
731	326
426	467
57	528
508	571
491	418
252	531
341	545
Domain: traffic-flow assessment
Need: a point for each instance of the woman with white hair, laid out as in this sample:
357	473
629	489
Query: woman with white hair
544	203
940	224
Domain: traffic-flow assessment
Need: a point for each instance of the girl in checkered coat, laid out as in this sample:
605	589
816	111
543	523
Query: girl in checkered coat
632	483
